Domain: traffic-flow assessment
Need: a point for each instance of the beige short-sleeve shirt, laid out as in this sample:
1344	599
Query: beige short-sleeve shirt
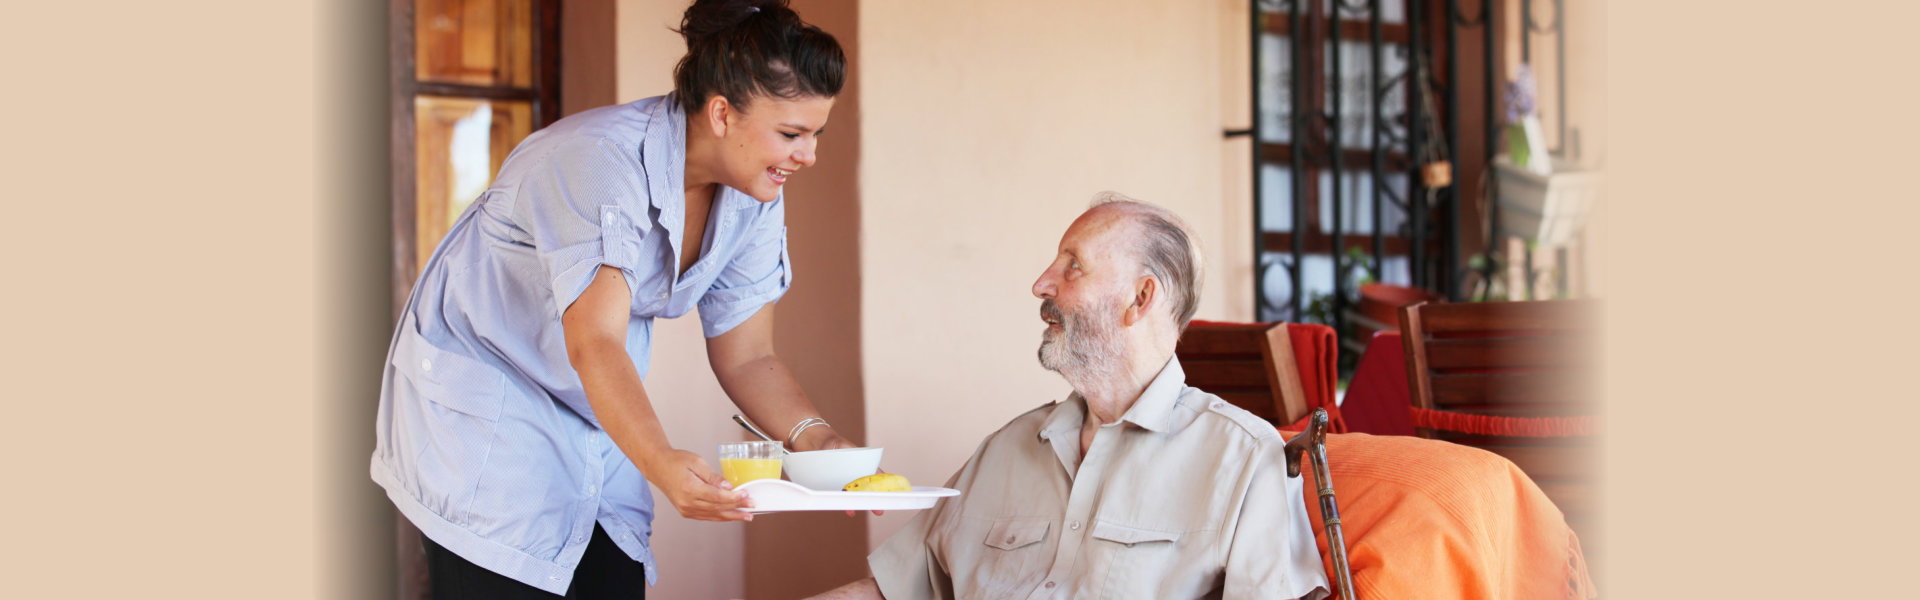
1186	496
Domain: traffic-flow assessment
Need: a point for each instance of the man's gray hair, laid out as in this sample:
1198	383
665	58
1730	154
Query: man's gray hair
1167	248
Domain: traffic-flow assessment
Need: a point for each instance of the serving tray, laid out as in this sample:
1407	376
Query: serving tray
779	495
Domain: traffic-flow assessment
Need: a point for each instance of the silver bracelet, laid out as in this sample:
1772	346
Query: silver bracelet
793	435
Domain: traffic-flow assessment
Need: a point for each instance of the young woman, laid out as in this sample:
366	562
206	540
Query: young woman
514	429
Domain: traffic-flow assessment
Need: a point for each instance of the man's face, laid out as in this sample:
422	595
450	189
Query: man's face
1083	294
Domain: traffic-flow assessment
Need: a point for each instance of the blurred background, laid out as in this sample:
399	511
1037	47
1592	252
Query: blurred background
970	135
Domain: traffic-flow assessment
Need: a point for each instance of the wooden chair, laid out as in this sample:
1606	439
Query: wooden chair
1512	378
1251	365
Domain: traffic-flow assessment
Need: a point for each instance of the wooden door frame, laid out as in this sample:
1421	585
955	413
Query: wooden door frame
545	94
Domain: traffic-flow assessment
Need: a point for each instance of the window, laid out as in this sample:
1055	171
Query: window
471	79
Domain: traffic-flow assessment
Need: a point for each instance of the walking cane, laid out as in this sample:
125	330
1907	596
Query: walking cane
1315	439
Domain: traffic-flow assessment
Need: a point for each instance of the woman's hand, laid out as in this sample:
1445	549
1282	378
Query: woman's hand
695	489
820	438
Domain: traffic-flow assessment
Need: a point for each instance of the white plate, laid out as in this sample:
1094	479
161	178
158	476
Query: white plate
779	495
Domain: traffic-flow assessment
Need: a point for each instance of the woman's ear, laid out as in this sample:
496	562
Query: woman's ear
718	114
1146	294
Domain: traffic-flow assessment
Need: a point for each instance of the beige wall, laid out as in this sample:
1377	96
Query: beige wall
987	126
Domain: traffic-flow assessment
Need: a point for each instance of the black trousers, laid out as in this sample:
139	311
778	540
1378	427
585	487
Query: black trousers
604	572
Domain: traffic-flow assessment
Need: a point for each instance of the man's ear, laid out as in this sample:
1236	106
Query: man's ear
717	114
1146	296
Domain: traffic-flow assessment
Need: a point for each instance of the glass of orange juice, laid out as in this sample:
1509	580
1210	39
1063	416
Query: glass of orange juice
741	462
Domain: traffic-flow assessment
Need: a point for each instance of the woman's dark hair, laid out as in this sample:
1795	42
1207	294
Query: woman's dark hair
740	49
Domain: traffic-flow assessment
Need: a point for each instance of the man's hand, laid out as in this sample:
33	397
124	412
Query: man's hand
695	489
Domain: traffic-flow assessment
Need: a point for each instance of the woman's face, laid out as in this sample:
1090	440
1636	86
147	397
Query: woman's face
766	143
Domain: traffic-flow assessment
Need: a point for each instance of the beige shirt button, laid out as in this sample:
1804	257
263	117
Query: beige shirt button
1049	585
1075	526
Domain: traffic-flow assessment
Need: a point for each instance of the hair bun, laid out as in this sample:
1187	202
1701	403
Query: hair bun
740	49
706	18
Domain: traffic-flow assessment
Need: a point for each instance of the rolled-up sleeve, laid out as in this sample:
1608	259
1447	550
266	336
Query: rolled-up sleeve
903	567
758	275
578	206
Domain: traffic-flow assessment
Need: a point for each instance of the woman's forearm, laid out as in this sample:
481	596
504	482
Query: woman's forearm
595	326
766	391
759	383
620	401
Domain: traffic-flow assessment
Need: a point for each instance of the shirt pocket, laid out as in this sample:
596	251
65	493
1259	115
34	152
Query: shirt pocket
1013	559
1014	534
458	383
455	406
1137	559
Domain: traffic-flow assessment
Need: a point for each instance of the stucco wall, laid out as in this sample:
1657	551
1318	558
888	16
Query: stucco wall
987	126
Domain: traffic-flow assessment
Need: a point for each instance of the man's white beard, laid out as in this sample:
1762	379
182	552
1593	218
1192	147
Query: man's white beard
1088	344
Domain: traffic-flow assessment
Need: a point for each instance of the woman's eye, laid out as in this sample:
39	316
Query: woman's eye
791	136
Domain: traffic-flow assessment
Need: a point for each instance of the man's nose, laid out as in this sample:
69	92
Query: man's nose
1043	287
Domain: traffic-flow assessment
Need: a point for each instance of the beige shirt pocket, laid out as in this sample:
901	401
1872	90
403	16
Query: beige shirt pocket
1014	555
1138	561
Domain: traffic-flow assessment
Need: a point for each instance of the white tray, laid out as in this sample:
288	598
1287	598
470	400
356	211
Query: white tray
779	495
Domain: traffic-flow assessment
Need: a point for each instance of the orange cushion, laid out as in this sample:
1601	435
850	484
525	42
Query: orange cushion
1431	519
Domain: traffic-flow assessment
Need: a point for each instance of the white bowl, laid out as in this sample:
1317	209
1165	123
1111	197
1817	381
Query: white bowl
830	470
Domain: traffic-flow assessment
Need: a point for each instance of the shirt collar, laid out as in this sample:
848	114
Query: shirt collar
1153	411
1065	419
666	145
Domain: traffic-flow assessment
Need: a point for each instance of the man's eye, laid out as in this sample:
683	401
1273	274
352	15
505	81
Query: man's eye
1075	265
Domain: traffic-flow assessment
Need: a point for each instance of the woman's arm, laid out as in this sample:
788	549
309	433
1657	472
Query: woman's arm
596	332
760	384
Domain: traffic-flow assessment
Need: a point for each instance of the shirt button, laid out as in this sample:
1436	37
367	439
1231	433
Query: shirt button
1074	526
1219	405
591	490
663	295
426	364
1049	585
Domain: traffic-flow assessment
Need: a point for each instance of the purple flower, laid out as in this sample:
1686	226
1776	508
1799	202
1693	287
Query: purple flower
1520	94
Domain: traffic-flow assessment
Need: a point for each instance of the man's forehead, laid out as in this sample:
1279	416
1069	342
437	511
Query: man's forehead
1095	230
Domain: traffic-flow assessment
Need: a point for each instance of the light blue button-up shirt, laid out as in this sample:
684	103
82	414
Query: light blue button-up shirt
484	438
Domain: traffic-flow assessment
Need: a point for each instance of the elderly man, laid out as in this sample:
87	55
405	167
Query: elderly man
1135	486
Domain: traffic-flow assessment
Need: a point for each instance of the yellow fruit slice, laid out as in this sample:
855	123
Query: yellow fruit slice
880	482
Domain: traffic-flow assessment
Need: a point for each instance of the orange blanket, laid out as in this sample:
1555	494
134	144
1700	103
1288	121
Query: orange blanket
1431	519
